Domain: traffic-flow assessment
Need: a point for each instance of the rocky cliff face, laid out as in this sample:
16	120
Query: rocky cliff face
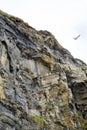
42	87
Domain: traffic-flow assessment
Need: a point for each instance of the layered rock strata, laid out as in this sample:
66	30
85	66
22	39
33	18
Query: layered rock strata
42	86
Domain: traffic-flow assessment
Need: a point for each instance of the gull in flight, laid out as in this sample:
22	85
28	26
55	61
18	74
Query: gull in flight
75	38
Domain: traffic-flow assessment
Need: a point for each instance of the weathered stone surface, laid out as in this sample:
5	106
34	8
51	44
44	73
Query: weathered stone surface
42	86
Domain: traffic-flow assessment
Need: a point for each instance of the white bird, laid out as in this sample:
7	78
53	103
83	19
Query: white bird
75	38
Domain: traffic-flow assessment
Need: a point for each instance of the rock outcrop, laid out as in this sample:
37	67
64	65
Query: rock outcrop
42	86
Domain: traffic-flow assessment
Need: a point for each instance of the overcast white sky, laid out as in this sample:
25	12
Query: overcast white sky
64	18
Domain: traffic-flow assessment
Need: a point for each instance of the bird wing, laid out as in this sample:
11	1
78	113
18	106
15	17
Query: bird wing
75	38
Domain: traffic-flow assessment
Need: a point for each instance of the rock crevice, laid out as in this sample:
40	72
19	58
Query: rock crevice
42	86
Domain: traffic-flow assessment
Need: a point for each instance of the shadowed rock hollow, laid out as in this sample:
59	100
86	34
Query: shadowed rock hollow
42	86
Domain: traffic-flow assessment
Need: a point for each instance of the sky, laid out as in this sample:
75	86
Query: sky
65	19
